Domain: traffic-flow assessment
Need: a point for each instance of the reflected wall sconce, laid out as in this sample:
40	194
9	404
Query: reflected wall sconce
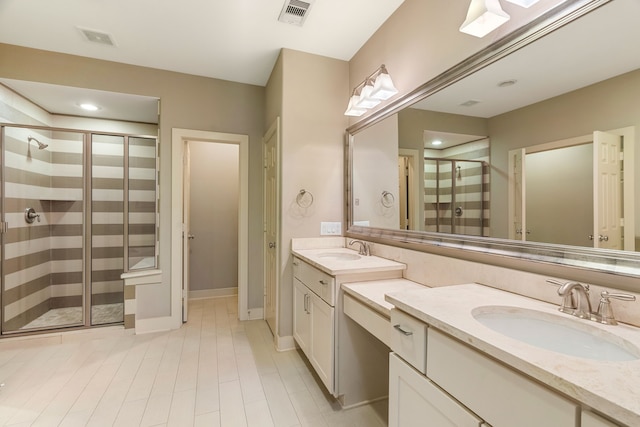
524	3
483	17
372	91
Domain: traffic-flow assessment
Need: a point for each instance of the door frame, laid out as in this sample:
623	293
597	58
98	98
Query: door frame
178	138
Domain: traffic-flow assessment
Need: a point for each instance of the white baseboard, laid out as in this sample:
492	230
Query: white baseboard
285	343
255	314
155	324
213	293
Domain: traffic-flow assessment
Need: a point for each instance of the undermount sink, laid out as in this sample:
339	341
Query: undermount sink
342	256
572	337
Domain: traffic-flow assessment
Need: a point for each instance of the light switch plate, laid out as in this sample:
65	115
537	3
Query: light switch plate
330	228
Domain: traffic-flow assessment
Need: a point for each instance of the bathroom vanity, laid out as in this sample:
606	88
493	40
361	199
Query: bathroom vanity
454	364
334	344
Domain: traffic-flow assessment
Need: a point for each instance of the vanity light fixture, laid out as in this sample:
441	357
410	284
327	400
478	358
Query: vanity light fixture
524	3
372	91
483	17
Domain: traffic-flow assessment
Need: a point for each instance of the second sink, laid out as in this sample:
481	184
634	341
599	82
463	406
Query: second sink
342	256
556	333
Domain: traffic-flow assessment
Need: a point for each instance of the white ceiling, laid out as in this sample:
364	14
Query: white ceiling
236	40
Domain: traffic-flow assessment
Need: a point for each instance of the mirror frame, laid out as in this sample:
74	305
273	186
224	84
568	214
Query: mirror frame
615	267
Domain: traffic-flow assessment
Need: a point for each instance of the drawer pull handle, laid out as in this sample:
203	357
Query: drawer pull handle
324	282
404	332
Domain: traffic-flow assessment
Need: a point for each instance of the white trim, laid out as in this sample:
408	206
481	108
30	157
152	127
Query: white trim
213	293
178	138
256	314
156	324
285	343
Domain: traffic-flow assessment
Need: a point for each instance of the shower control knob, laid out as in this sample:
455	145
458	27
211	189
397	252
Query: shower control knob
30	215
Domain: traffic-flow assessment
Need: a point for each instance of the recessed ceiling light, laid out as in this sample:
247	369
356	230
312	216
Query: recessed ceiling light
470	103
89	107
436	142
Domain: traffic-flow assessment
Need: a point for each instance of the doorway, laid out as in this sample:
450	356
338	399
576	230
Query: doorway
213	218
179	232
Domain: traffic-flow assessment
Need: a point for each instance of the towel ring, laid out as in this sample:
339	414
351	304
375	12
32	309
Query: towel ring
387	199
304	199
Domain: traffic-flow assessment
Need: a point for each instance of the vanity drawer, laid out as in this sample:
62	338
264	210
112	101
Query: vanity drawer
318	281
409	339
496	393
376	324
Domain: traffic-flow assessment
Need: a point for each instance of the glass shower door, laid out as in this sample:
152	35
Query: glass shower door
107	228
43	215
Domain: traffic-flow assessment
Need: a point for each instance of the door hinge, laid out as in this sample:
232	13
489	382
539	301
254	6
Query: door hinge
4	227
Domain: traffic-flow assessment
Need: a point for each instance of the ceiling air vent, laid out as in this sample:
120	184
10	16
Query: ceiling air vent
295	12
94	36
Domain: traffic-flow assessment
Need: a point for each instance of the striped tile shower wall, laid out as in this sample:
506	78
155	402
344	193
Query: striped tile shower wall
472	192
42	261
142	202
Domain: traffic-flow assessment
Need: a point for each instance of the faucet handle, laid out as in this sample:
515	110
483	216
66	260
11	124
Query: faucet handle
605	311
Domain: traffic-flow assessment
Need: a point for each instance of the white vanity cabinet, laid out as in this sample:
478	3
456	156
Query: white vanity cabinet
462	387
589	419
350	361
313	321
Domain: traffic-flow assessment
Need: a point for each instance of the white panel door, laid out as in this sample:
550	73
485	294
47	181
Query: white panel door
271	224
517	195
186	229
321	353
607	202
414	401
301	316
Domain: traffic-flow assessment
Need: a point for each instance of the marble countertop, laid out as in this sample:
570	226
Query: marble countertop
336	266
612	388
372	293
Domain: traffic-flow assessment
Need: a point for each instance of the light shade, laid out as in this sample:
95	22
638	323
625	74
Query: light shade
523	3
383	87
352	110
483	17
366	100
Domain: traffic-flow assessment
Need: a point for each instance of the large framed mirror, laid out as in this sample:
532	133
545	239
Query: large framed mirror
539	149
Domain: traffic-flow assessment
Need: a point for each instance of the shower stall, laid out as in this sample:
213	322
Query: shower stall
456	196
79	208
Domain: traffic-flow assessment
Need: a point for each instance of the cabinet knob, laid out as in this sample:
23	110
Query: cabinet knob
324	282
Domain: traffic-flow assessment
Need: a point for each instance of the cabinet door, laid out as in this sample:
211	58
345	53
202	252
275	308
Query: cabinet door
321	352
415	401
589	419
301	317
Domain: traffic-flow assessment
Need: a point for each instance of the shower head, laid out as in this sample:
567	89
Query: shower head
41	146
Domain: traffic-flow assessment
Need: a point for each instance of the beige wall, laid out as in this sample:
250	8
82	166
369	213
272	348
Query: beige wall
375	169
187	101
607	105
314	95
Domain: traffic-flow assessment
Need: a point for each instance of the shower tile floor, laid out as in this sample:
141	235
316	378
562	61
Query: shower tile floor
100	315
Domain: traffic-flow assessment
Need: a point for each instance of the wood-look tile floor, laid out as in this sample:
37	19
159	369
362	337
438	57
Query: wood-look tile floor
214	371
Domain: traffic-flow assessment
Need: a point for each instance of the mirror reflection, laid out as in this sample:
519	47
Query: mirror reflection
538	146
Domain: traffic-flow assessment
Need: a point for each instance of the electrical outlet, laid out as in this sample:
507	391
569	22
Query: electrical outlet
330	228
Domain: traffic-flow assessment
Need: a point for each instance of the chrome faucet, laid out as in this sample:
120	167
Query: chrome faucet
364	247
574	303
583	305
